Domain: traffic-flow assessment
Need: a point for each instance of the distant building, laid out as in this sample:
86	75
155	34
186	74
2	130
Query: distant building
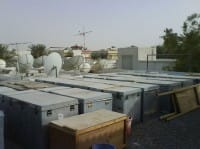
112	53
59	50
87	54
144	51
77	50
134	58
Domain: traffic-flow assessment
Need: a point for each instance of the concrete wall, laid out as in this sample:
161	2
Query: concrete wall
129	51
124	61
144	51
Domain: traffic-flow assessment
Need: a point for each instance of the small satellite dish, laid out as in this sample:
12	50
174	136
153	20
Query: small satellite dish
25	62
2	64
39	62
73	62
53	64
85	67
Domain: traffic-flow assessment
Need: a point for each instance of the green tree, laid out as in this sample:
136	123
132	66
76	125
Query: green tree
38	50
101	54
170	44
95	55
187	44
5	53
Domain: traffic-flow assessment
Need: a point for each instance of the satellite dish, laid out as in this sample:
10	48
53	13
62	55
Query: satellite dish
25	62
39	62
73	62
85	67
53	64
2	64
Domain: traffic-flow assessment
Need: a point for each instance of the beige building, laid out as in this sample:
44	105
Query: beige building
87	54
112	53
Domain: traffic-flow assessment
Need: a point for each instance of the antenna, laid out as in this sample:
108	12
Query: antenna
83	33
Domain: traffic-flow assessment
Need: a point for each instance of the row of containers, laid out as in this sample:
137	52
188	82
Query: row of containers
28	112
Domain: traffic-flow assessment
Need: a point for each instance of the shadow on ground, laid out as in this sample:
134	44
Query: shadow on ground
180	133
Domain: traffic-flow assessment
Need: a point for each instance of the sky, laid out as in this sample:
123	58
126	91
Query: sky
119	23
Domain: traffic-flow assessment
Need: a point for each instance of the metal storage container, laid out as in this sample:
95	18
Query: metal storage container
126	100
88	100
31	112
82	131
163	75
184	82
165	104
149	91
1	130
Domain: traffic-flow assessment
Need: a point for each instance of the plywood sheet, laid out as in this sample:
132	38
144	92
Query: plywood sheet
92	120
186	100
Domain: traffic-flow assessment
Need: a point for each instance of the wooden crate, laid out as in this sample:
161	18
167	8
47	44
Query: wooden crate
81	131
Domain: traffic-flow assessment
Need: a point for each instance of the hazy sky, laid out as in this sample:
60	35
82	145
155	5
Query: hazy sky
117	23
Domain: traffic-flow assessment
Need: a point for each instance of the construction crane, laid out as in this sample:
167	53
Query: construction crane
83	33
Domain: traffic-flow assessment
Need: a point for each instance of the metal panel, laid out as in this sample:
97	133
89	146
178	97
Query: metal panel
1	130
127	62
30	113
88	100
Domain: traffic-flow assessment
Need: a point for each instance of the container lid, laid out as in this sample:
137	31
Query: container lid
25	84
123	90
141	80
5	89
83	94
146	87
88	121
165	75
44	101
15	92
49	89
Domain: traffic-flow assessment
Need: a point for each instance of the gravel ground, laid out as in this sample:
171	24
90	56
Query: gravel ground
180	133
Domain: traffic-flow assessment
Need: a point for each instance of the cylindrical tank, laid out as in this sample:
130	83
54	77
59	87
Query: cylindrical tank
85	67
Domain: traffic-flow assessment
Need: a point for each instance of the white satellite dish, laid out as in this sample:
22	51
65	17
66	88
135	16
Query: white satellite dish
53	64
25	62
39	62
85	67
73	62
2	64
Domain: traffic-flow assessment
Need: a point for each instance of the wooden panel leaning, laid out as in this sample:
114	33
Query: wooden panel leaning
81	131
184	100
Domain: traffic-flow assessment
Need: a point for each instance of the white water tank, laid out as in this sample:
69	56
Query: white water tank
85	67
2	64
